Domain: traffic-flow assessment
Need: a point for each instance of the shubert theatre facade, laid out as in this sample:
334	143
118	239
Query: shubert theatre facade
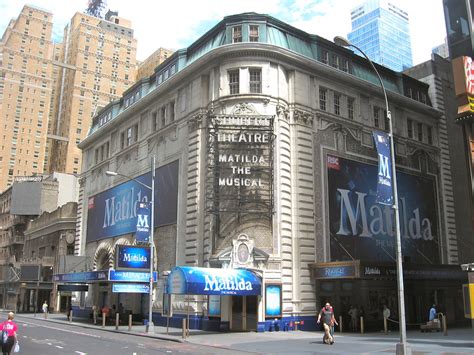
265	184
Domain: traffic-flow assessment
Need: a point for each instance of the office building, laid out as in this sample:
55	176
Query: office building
26	85
381	29
98	63
458	18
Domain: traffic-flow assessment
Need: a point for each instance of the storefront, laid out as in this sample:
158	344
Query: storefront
111	287
369	286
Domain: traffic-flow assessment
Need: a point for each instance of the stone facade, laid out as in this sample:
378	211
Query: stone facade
261	79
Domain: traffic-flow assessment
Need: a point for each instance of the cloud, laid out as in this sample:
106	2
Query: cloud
176	24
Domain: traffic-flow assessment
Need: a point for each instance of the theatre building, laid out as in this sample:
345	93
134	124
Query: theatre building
265	186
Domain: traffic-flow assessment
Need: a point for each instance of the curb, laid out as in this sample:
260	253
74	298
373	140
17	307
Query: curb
87	326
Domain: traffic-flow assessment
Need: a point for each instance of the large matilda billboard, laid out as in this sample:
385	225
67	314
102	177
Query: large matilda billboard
363	229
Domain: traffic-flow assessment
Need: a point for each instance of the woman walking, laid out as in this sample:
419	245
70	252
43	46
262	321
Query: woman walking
10	328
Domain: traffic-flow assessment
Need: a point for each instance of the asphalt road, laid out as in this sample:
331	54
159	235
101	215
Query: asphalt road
38	337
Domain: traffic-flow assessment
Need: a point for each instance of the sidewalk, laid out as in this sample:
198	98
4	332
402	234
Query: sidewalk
294	341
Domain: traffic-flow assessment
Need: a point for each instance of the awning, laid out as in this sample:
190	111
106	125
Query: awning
187	280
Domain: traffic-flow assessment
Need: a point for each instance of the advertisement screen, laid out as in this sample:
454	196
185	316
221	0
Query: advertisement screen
362	229
272	300
114	212
132	257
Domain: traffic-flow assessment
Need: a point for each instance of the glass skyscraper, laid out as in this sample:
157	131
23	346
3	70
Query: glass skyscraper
381	30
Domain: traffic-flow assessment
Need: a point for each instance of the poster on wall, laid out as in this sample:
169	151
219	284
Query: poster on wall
362	229
273	300
214	306
114	211
131	257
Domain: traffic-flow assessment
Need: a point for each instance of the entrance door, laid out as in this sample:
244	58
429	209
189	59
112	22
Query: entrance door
244	313
237	313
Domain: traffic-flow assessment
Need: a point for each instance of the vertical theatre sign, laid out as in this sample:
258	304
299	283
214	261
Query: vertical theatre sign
240	179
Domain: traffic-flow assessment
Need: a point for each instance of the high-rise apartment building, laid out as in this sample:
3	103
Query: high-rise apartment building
381	30
25	93
98	63
147	67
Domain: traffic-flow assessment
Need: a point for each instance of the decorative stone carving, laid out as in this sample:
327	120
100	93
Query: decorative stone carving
244	108
242	252
303	118
283	112
196	121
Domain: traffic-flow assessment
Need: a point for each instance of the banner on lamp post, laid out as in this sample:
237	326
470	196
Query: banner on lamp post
143	223
384	178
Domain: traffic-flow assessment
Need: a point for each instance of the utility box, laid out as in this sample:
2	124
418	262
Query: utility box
468	297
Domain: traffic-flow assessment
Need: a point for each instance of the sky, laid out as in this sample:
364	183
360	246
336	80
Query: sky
178	23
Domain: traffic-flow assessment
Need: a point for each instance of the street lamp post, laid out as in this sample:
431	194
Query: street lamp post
402	347
151	326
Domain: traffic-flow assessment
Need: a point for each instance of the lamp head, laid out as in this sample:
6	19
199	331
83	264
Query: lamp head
341	41
110	173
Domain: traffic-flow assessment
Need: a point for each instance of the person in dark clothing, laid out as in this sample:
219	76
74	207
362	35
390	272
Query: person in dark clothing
327	316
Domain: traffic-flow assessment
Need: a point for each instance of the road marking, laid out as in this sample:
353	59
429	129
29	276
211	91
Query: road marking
70	331
49	344
78	352
59	347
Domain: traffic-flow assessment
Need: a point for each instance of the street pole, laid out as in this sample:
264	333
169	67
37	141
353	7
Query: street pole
151	326
402	348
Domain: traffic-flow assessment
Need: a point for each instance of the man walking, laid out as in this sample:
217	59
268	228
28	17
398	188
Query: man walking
327	316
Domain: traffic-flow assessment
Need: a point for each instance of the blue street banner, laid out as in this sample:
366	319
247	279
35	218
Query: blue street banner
143	223
130	288
384	175
87	276
131	276
130	257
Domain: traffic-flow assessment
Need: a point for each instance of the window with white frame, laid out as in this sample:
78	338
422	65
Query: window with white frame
337	103
350	107
236	34
234	81
253	33
255	75
323	98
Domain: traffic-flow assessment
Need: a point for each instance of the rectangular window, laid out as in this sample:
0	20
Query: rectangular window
376	116
324	56
322	99
409	128
350	108
420	131
236	34
135	133
172	117
253	33
386	120
234	82
255	80
163	116
335	61
337	103
430	134
154	120
122	140
129	136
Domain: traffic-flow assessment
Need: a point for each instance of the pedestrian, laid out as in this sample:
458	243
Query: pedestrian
327	316
386	315
354	314
10	328
432	314
95	310
120	311
44	308
69	311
